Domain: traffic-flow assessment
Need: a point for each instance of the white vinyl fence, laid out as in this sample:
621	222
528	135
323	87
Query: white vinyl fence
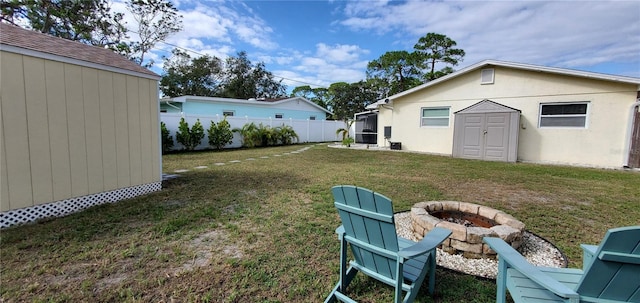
307	130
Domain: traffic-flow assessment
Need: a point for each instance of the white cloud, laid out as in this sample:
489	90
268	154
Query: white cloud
204	22
339	52
330	64
560	33
292	79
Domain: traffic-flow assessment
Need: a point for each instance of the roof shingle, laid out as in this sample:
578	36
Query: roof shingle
32	40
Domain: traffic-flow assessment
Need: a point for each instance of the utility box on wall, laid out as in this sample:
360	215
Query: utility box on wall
387	132
396	145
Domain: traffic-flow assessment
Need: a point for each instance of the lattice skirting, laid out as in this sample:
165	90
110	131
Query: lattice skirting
68	206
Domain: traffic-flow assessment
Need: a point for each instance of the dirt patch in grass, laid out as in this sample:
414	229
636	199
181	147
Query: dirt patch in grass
205	247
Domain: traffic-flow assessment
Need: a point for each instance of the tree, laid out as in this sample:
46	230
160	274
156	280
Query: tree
88	21
437	48
399	70
156	20
184	75
317	95
190	138
243	80
349	99
220	134
167	140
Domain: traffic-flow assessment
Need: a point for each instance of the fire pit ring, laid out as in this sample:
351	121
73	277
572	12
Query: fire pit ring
469	223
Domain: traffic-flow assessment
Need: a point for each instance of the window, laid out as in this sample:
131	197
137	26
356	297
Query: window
228	113
564	114
435	116
279	116
312	118
487	76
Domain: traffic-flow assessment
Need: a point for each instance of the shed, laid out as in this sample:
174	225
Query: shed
80	127
486	131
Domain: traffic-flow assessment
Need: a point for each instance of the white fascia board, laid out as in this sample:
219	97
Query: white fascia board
305	100
564	71
52	57
186	98
514	65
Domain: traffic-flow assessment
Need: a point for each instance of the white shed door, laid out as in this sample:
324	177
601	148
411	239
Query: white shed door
486	136
472	136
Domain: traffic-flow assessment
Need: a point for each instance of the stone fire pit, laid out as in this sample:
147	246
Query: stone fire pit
469	223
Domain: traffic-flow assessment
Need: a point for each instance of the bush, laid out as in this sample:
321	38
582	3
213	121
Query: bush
220	134
285	135
167	140
189	138
260	135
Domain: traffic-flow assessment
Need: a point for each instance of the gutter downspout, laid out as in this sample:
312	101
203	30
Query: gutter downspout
171	105
627	142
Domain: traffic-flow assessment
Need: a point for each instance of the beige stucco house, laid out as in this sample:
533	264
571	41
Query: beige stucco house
79	126
505	111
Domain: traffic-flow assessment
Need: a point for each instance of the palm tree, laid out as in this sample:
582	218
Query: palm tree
346	138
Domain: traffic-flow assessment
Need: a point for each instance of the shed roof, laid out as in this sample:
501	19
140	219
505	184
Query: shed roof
487	106
60	48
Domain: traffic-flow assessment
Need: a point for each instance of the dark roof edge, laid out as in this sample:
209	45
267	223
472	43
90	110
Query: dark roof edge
48	56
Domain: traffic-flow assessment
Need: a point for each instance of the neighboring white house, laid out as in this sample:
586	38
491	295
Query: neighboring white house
286	108
79	127
505	111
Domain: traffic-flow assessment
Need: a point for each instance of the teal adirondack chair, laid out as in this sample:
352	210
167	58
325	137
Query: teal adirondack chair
610	273
368	227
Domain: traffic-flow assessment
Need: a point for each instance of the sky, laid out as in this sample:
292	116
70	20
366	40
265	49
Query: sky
317	43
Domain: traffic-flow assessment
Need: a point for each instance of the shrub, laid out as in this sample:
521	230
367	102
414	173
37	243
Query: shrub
286	134
220	134
167	140
189	138
260	135
249	134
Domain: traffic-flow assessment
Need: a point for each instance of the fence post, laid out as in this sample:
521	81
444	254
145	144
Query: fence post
308	127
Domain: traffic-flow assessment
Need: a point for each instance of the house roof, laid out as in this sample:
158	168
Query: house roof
28	42
267	102
513	65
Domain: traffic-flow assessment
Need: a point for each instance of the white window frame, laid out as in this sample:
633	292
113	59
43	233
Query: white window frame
224	113
423	119
585	115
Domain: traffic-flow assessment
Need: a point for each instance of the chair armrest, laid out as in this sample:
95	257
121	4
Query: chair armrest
432	239
340	231
588	253
612	256
515	260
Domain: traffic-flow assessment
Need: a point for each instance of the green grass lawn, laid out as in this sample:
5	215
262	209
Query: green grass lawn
262	230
